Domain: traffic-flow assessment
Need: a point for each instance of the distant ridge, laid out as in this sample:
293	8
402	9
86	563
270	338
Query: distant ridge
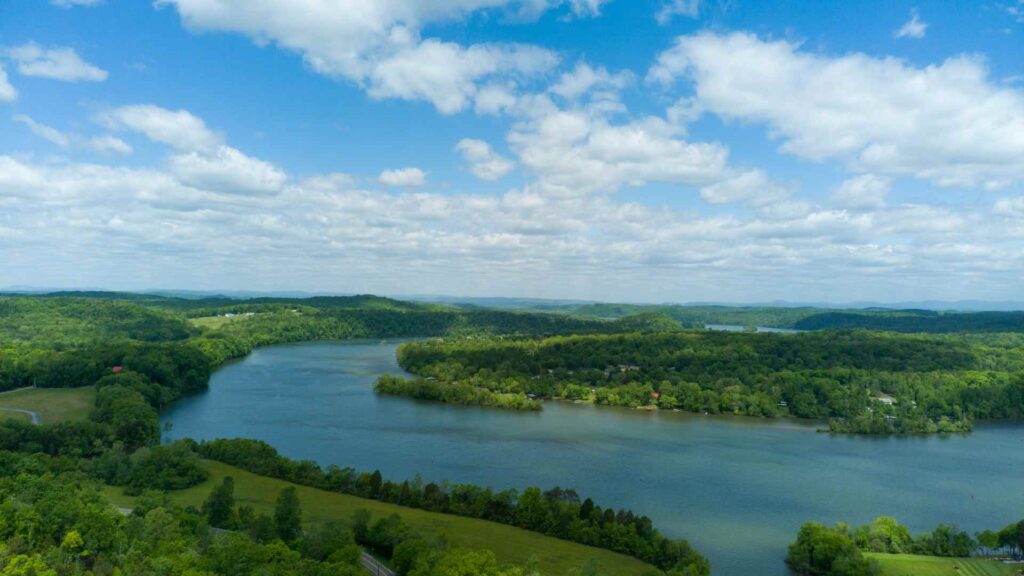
513	302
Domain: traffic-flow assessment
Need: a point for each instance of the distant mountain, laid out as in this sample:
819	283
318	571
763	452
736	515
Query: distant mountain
551	304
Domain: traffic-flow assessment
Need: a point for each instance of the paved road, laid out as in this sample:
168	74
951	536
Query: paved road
34	416
374	567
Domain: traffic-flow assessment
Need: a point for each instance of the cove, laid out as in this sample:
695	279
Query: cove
737	488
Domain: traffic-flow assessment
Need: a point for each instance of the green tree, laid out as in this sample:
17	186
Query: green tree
219	507
288	515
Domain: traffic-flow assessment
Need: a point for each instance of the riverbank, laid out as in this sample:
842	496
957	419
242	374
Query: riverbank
510	544
705	478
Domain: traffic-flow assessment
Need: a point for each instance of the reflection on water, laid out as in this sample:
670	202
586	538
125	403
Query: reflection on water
737	488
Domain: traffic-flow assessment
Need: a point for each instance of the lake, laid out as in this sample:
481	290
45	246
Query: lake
737	488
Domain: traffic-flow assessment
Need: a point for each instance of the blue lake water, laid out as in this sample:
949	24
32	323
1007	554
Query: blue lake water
737	488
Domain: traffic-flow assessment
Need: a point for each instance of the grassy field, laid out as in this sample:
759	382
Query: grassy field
908	565
19	416
511	545
214	322
52	404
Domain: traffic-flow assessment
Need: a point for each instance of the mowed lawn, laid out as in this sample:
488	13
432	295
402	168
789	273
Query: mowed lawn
52	404
910	565
511	545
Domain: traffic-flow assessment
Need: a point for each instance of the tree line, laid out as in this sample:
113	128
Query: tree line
839	550
557	512
862	382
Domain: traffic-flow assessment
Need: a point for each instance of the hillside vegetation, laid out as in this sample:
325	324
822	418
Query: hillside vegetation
864	382
510	544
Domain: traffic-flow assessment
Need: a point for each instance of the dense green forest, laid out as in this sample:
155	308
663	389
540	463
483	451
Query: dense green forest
917	321
146	356
69	341
805	317
839	551
863	382
144	352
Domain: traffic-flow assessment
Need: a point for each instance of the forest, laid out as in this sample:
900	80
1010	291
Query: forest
141	358
840	550
862	382
144	352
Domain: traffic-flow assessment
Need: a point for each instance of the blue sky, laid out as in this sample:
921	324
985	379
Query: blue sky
664	150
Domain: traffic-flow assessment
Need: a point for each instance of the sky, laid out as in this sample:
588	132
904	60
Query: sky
618	150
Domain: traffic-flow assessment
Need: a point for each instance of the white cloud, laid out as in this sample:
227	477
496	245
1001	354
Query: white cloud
53	63
586	7
103	144
333	182
1016	10
403	177
913	28
862	192
672	8
947	123
446	74
378	45
137	227
751	187
573	152
227	170
45	132
179	129
484	163
7	92
1010	207
582	79
108	143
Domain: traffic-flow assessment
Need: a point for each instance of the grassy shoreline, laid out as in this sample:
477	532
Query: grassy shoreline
511	545
912	565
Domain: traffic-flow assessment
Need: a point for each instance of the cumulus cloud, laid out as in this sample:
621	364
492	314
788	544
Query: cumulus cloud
862	192
947	123
148	226
378	44
446	74
483	162
179	129
53	63
672	8
7	92
751	187
581	80
403	177
227	170
573	152
913	28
